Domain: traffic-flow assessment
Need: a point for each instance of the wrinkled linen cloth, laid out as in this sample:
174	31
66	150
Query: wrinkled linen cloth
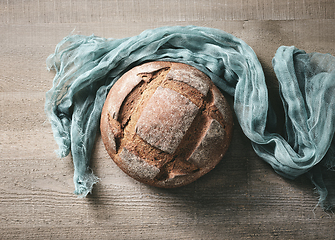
87	67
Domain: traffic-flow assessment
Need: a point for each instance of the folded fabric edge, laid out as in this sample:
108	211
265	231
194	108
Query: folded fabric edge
84	183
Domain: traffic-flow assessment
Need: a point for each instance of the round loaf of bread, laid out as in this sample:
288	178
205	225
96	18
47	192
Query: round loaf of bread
166	124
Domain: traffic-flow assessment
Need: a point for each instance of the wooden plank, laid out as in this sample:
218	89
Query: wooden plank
129	11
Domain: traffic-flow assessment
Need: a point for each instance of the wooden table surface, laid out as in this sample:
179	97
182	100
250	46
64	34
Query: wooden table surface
241	198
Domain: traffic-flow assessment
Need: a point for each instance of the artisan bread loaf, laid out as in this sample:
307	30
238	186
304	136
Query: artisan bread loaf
166	124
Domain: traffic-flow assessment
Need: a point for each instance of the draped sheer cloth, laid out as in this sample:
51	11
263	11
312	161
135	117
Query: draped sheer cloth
87	67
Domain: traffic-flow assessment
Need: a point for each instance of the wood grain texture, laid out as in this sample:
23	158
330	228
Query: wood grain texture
241	198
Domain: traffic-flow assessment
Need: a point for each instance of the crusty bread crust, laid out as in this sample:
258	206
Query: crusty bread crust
166	124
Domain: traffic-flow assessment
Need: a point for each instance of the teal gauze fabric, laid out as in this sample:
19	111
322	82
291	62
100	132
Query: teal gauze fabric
87	67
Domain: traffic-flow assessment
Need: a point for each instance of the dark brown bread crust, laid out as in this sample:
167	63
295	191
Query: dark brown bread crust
166	124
